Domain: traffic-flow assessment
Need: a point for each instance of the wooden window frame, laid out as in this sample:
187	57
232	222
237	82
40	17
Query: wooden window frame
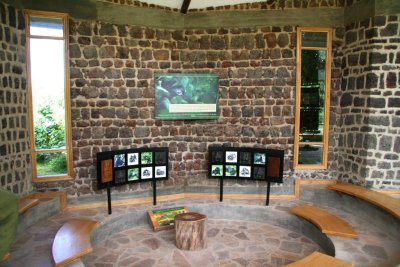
67	99
325	139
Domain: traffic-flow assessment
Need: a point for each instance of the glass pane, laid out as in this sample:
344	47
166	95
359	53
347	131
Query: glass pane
48	91
314	39
310	154
43	26
312	95
51	163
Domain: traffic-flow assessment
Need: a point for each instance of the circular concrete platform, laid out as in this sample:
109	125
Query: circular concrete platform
229	243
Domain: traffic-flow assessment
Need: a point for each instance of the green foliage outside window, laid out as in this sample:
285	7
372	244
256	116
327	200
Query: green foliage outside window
49	133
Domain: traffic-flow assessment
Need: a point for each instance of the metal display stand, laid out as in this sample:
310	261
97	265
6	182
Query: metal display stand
121	167
109	202
221	191
246	164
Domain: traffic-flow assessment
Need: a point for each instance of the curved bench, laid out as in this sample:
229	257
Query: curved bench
389	204
137	215
6	257
72	241
317	259
26	203
328	223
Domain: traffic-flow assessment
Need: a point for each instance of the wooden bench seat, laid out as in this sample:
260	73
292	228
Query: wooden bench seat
317	259
72	241
6	257
328	223
389	204
26	203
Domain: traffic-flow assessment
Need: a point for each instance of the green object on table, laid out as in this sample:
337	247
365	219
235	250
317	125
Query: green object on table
9	204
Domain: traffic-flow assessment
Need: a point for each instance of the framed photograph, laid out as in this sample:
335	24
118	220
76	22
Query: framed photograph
217	170
160	158
245	171
160	172
259	173
217	156
146	158
133	159
133	174
275	167
230	170
186	96
119	167
120	176
247	163
231	156
106	171
245	157
119	160
259	158
274	164
147	172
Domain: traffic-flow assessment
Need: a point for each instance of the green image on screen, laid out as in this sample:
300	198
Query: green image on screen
186	96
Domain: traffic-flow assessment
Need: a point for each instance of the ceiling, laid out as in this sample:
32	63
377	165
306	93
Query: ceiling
197	4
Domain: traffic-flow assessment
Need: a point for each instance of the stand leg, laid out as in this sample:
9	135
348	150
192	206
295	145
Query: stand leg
109	198
268	190
221	189
154	192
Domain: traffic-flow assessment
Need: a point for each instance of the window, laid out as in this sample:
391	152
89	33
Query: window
312	98
48	94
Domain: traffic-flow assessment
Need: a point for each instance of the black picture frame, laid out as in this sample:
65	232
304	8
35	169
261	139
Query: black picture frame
245	171
160	157
245	157
119	160
231	170
217	156
133	174
146	157
119	176
259	173
217	170
133	159
146	173
231	156
119	167
260	164
160	172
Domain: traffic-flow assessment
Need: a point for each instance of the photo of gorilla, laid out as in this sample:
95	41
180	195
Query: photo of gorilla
175	89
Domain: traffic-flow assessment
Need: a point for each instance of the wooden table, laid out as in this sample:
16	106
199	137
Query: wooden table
190	231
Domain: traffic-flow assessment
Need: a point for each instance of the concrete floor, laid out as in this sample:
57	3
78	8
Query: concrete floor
230	242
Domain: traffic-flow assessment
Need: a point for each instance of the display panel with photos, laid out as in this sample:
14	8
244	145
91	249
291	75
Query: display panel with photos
131	165
246	163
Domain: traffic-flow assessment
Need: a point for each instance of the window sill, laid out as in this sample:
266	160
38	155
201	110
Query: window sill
310	167
46	179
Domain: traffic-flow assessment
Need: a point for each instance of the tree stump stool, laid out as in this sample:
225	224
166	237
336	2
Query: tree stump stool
190	231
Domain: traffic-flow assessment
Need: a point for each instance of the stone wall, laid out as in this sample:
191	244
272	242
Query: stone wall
370	130
15	169
112	70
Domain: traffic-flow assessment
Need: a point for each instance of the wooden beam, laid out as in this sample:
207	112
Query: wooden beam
185	6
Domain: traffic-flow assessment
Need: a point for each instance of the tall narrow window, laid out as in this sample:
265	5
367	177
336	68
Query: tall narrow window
312	98
49	96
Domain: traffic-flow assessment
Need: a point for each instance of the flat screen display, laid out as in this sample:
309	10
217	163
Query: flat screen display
185	96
